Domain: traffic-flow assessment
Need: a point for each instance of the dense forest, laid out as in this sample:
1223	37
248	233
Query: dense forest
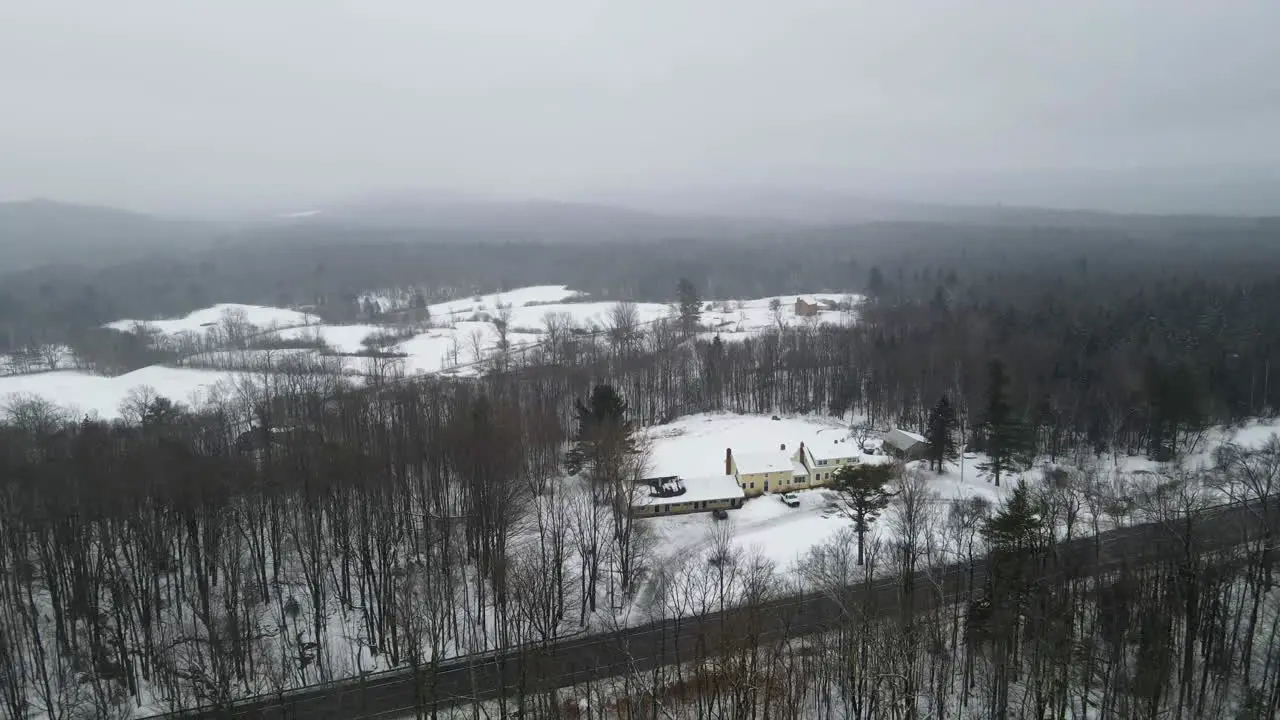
328	265
298	529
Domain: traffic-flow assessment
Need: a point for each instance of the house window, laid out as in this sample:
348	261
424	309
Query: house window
822	462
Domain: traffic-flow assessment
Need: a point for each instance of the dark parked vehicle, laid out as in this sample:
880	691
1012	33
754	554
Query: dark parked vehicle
720	514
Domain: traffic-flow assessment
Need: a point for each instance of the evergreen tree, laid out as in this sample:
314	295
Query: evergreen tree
604	439
1173	407
941	434
161	412
863	495
939	303
1018	524
690	305
1009	443
875	282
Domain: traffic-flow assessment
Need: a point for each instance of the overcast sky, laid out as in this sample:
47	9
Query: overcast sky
183	103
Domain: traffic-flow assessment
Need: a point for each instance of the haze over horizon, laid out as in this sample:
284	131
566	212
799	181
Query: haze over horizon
186	108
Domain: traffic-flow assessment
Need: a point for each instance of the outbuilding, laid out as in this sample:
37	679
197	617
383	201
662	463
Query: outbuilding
905	445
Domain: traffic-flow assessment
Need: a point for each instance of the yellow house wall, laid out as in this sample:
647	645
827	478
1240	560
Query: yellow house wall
820	475
753	483
798	482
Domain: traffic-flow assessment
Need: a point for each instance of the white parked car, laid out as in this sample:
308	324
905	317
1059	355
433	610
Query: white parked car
791	499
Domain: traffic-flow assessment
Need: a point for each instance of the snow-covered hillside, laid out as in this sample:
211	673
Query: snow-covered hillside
96	395
215	343
201	320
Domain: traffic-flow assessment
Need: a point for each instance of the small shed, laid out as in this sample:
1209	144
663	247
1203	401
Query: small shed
905	445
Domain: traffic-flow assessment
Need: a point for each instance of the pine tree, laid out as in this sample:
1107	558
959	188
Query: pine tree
941	434
1009	442
863	495
690	305
875	282
604	440
1018	524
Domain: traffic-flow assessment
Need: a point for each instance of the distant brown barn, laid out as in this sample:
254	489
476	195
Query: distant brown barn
806	307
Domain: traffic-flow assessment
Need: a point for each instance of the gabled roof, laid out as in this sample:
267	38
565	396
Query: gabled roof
762	462
902	439
832	445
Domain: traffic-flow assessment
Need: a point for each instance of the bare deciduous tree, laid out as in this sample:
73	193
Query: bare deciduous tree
622	324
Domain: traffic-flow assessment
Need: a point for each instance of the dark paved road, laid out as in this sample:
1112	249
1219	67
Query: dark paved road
397	693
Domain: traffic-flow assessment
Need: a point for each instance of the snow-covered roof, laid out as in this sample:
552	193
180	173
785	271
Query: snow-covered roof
829	446
714	487
902	439
798	468
762	462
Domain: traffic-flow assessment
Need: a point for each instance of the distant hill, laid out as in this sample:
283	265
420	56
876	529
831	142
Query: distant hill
36	233
42	232
527	220
833	208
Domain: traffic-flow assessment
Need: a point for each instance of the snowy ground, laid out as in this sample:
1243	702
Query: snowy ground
695	446
462	335
343	338
590	315
198	321
463	308
739	319
94	394
448	348
37	362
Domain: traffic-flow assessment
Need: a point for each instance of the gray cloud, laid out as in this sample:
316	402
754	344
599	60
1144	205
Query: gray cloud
169	103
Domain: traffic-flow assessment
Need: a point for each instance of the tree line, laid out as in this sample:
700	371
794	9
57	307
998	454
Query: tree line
298	529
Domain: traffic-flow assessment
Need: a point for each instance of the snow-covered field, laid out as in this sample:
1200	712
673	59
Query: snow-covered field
519	297
592	315
94	394
200	320
343	338
738	319
47	358
461	336
445	349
